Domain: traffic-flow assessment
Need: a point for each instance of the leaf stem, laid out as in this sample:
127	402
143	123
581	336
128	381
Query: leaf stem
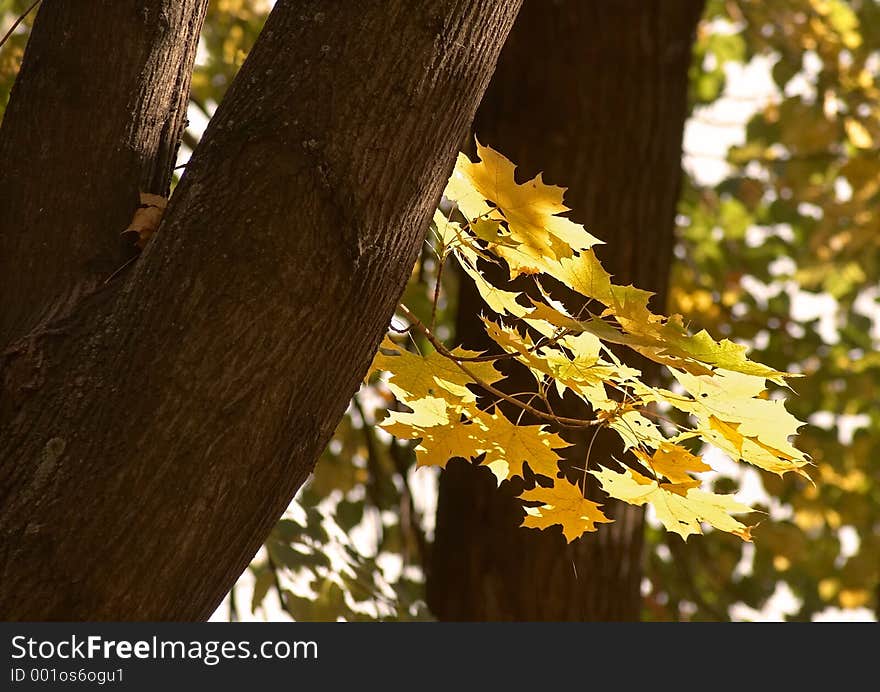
443	351
437	291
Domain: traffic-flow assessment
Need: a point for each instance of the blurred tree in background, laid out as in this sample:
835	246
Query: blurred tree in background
777	248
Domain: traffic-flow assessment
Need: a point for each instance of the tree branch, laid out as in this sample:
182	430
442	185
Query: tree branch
190	400
82	135
445	352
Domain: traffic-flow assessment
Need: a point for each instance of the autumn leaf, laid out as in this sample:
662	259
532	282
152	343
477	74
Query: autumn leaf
732	415
674	462
427	412
499	300
453	403
531	210
510	445
146	218
664	340
439	444
562	504
415	377
449	232
679	507
634	429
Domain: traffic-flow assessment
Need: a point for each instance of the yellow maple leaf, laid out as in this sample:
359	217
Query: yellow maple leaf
493	232
427	412
732	415
449	233
633	428
586	275
664	340
415	377
579	367
562	504
441	443
674	462
724	354
499	300
509	445
523	224
538	239
679	507
531	211
511	341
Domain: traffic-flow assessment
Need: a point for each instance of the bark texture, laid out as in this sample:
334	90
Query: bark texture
183	405
96	115
593	94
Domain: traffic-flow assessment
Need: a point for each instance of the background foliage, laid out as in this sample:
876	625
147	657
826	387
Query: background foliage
777	249
781	252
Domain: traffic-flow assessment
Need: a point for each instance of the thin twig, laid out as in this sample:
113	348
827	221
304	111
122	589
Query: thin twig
491	358
587	460
233	606
373	464
443	351
437	291
277	584
201	106
18	21
414	525
398	330
121	269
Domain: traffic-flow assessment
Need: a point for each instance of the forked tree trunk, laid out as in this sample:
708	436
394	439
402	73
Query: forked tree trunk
96	115
593	94
151	438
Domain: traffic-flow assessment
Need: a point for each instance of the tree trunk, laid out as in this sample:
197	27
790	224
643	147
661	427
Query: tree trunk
176	410
96	115
593	94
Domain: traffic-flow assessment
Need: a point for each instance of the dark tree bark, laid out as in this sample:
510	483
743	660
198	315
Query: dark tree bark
593	94
179	408
95	116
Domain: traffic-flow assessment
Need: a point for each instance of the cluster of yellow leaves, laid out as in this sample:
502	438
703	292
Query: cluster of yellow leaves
519	226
